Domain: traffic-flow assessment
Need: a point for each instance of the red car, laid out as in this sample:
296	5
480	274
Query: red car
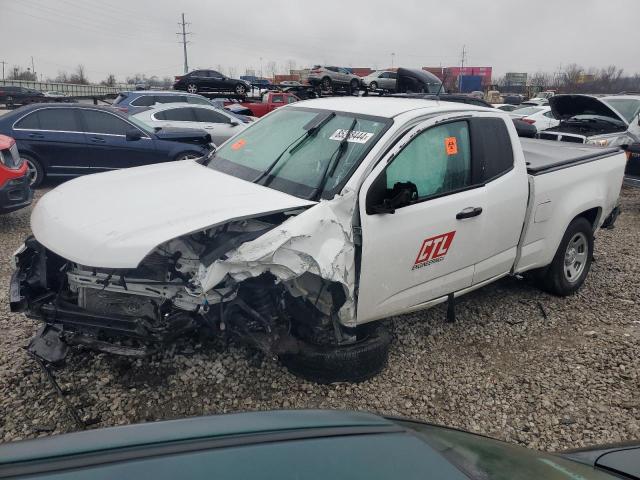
15	190
270	101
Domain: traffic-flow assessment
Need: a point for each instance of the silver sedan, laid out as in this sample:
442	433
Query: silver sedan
220	124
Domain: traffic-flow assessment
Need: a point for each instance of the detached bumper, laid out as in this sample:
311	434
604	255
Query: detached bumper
15	194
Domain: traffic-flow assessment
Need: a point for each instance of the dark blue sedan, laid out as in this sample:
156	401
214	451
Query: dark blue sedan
71	140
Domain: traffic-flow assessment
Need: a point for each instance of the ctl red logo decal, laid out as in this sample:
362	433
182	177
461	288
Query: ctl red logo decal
433	250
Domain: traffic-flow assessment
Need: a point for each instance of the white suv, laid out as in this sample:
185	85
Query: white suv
330	78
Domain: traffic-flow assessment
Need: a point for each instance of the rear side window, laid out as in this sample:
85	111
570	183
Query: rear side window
144	101
104	123
53	119
492	149
277	99
211	116
180	115
198	100
170	99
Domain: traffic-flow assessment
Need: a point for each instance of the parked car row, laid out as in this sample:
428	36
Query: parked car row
67	140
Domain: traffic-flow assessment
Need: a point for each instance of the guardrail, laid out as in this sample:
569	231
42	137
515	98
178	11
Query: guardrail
71	89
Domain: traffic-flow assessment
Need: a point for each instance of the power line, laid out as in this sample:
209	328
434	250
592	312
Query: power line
184	34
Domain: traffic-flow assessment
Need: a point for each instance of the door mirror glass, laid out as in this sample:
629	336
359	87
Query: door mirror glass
634	148
234	123
401	195
133	135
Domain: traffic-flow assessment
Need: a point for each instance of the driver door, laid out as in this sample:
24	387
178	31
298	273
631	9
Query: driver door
426	248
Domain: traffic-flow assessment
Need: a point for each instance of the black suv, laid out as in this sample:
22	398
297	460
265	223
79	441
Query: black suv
11	95
210	81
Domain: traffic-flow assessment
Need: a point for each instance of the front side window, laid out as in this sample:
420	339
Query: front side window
103	123
277	99
210	116
301	150
291	99
437	161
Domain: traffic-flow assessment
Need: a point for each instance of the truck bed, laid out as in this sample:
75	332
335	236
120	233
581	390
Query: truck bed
544	156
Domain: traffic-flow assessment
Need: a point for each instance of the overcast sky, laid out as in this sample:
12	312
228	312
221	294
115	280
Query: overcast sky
124	37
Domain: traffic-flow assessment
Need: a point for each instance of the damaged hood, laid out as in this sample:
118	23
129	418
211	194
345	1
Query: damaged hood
567	106
114	219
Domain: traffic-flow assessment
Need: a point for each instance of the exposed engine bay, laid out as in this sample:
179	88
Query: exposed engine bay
269	280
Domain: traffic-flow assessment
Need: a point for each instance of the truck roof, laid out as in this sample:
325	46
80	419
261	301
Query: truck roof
387	107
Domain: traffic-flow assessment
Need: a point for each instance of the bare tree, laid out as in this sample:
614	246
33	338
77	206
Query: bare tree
271	68
571	76
110	81
79	76
291	65
18	74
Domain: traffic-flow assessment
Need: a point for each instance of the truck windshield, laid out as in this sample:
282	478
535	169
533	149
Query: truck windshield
298	150
481	458
627	107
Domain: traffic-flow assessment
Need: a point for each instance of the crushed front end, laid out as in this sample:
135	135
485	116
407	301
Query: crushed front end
258	279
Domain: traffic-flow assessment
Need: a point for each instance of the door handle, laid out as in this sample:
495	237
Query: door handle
36	135
98	140
469	212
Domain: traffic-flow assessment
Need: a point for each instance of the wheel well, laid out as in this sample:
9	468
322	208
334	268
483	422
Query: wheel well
592	215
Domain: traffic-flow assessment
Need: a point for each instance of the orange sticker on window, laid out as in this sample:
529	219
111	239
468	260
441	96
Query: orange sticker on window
451	145
239	144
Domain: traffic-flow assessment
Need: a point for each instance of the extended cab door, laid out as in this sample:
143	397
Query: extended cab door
431	243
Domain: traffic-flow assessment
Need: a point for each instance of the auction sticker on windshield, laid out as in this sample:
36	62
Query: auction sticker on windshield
354	137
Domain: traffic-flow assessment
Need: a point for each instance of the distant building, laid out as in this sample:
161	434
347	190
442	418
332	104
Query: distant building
515	79
450	76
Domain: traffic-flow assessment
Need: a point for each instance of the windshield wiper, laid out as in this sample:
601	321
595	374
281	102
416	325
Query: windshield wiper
332	164
312	128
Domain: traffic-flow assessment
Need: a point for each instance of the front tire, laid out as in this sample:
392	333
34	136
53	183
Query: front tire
373	86
572	261
240	89
354	362
35	171
326	84
187	156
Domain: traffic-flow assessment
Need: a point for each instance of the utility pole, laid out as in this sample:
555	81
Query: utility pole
184	42
393	56
33	68
463	57
3	64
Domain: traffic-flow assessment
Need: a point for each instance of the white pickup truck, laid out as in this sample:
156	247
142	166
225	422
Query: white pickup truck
302	232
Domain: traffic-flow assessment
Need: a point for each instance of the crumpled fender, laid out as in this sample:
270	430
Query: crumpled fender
317	241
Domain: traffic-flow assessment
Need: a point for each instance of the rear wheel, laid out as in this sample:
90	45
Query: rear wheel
192	88
326	84
240	89
572	261
35	172
355	362
373	86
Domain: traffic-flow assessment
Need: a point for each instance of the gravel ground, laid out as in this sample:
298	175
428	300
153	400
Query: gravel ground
520	365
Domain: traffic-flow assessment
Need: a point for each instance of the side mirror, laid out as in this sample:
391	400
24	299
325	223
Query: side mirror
133	135
233	123
634	148
401	195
